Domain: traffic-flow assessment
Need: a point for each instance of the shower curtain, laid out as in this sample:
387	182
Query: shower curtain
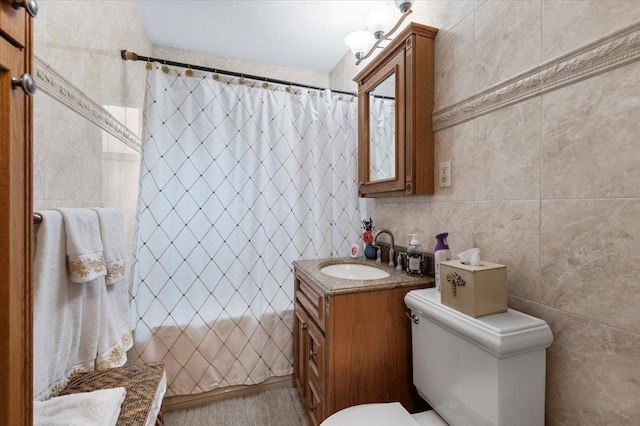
238	179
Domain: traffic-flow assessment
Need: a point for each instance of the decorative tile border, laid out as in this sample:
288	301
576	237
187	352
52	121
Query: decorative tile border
55	85
607	53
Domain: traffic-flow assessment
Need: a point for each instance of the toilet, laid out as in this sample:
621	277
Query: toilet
487	371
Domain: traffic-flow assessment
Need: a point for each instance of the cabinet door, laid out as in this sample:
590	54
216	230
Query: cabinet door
315	403
316	359
300	333
15	226
407	61
381	128
13	23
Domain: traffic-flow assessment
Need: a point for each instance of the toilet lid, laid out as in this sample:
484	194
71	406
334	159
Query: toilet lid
391	414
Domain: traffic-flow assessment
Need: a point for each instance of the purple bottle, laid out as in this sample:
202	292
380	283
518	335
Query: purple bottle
440	253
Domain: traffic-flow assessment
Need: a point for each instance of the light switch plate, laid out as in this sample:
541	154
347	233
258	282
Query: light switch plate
445	174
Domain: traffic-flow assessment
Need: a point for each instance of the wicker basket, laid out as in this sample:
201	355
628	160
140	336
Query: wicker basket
141	382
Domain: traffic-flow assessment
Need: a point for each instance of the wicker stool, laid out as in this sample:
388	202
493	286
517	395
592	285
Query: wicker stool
141	382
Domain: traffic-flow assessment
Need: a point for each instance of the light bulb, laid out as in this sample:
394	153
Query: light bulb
359	42
403	5
379	21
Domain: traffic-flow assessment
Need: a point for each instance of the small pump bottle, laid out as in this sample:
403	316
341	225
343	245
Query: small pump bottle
440	254
414	256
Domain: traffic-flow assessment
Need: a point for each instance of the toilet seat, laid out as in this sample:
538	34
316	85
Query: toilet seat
382	414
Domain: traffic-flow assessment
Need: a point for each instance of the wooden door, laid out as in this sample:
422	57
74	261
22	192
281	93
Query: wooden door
15	219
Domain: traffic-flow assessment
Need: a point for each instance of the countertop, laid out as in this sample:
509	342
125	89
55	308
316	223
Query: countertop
332	285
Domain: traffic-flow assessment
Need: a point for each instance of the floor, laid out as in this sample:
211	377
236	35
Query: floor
276	407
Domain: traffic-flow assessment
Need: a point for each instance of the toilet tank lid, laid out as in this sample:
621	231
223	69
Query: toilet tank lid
504	335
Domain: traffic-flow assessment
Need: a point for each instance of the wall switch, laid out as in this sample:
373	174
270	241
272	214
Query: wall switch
445	174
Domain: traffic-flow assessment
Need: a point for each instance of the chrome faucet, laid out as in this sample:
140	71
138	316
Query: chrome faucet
392	250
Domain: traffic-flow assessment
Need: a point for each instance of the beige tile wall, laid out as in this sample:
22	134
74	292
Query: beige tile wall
549	186
76	164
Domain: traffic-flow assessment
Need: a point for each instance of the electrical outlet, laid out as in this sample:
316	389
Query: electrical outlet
445	174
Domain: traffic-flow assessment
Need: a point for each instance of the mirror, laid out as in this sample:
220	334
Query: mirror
382	130
395	106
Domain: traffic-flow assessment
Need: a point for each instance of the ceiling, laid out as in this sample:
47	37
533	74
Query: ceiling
305	34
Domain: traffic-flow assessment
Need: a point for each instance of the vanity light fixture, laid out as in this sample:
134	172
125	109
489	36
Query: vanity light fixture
377	21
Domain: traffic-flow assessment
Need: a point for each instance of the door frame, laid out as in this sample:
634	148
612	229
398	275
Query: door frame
16	220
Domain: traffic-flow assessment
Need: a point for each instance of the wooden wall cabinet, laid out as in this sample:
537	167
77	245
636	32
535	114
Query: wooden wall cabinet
395	107
15	215
351	348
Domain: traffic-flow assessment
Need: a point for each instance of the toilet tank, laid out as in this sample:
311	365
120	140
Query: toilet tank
478	371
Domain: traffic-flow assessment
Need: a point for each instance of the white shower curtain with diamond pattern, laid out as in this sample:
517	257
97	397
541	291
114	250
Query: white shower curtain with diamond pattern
238	179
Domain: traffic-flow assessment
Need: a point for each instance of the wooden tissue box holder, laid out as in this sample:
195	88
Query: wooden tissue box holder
474	290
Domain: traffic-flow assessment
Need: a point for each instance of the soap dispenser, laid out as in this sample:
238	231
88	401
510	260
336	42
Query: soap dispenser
440	254
414	256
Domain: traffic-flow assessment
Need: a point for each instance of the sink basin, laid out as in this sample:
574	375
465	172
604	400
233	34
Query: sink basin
354	271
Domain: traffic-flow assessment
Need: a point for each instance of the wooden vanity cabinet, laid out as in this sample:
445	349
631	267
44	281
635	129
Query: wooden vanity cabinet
352	348
402	76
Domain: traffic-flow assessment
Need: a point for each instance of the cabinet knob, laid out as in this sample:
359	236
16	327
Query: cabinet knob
312	407
361	183
303	326
31	6
26	82
312	354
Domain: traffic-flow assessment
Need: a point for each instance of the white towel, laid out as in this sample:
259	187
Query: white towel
66	324
85	258
115	337
98	408
112	232
115	331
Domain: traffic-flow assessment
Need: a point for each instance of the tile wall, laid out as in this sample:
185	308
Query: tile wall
549	186
76	164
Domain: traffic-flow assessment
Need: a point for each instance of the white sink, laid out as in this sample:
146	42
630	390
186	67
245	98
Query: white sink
354	271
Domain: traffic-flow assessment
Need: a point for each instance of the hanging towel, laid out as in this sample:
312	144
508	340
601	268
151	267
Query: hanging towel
85	258
112	232
115	337
115	331
66	325
97	408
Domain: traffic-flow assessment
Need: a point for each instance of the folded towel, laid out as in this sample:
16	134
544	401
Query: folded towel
85	258
65	324
112	231
98	408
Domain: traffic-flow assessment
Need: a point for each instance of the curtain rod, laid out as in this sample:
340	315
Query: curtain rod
130	56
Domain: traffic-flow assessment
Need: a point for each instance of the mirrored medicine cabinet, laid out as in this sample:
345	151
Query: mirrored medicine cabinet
395	105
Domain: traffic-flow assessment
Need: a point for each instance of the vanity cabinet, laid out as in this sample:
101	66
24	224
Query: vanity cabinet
395	107
352	348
